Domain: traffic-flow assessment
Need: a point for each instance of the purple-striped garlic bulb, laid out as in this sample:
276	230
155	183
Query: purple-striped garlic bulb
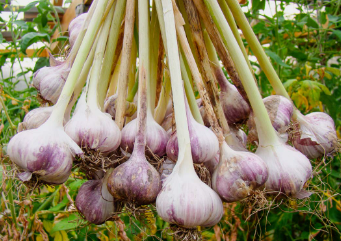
91	128
315	136
94	201
156	136
110	107
75	27
280	111
46	152
238	174
136	181
185	200
204	143
49	81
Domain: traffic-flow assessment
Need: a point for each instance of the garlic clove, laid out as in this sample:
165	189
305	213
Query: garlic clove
49	81
46	152
75	27
135	181
280	111
110	107
156	137
94	201
237	139
238	174
288	168
316	136
91	128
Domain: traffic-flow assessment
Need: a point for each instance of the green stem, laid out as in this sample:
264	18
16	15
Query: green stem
133	92
267	134
189	93
160	110
97	64
57	115
257	49
13	127
229	17
47	201
185	156
11	202
110	50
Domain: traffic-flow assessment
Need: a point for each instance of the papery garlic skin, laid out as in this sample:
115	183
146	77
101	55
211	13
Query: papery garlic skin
94	201
238	174
288	168
156	137
188	202
135	181
166	169
47	152
280	111
75	27
49	81
316	135
91	128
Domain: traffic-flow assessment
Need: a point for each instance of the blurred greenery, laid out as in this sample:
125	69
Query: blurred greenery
305	51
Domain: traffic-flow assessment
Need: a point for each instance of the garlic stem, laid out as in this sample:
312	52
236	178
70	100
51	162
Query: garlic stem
125	62
229	17
185	156
154	51
257	49
204	63
114	78
161	108
197	76
190	94
220	47
160	68
267	134
132	72
92	98
142	108
133	91
110	50
57	115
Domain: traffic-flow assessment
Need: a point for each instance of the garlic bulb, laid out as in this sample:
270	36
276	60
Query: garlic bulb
316	135
167	122
185	200
156	136
49	81
166	169
288	168
89	127
213	163
204	143
37	117
110	107
280	111
94	201
237	139
238	174
75	27
46	152
236	109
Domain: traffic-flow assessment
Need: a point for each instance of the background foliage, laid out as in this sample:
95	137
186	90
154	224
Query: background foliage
305	51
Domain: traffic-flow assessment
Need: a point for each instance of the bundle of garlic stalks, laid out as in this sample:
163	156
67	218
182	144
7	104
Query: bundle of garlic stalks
165	51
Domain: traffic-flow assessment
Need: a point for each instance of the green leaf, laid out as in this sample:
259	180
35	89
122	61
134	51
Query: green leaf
1	38
337	33
60	205
298	55
324	88
44	19
71	222
257	5
289	83
312	23
323	17
28	6
30	38
41	62
76	184
276	58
